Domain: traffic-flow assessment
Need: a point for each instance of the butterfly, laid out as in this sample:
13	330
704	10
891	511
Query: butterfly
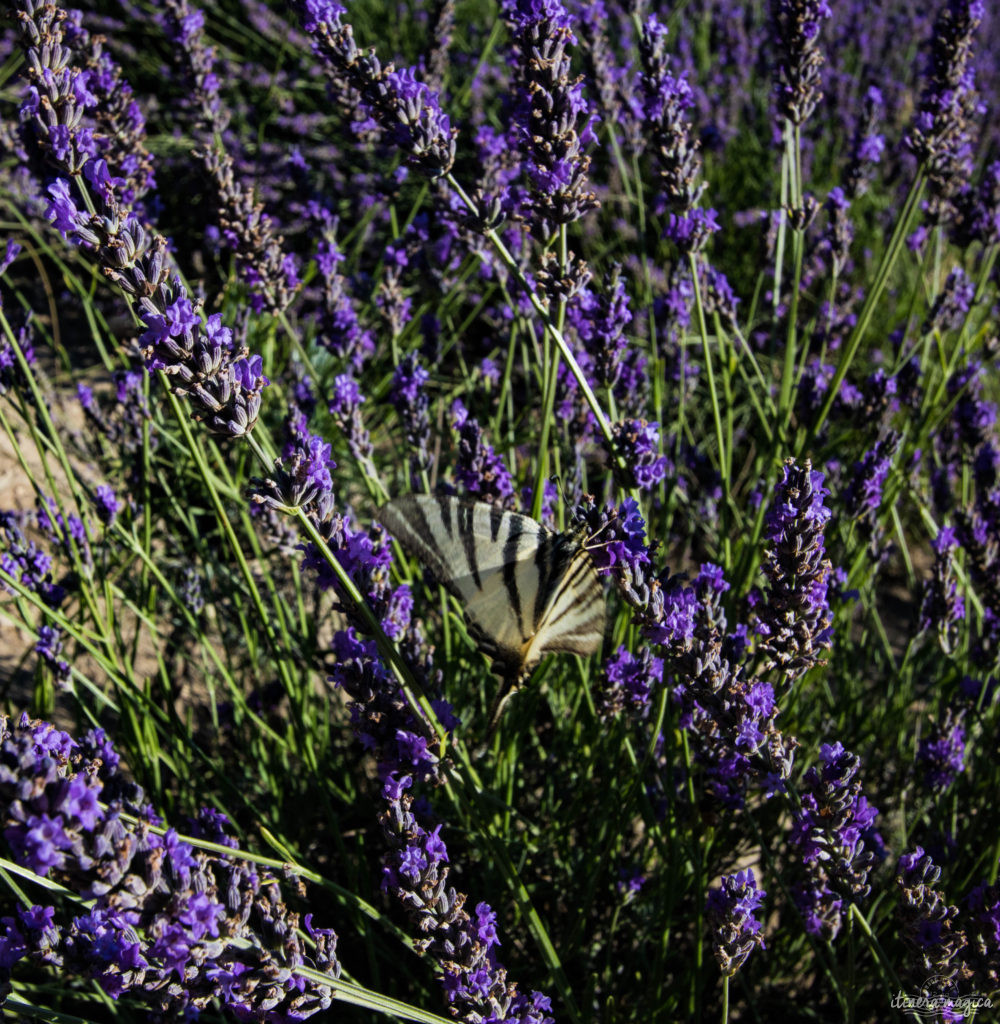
525	590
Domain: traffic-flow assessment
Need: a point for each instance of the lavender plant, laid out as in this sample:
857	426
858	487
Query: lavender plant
713	290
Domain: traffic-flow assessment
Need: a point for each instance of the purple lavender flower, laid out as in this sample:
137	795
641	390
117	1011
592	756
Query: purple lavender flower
406	108
929	925
636	443
942	607
630	680
982	927
26	562
867	146
553	122
833	829
168	923
345	407
58	97
736	932
409	396
952	304
667	100
941	755
618	546
942	135
794	620
479	470
795	28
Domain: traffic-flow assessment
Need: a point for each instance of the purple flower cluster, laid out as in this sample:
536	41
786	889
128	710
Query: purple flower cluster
794	618
405	107
261	260
617	545
553	122
941	754
169	924
942	607
464	945
345	408
635	456
479	470
942	135
928	923
339	326
730	909
667	100
797	60
730	714
630	679
836	839
409	396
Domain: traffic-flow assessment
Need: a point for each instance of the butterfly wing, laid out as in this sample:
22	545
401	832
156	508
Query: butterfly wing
490	560
574	608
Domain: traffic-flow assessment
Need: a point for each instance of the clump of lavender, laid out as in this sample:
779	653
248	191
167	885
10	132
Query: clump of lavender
794	618
942	607
171	925
667	100
479	470
339	328
836	839
928	923
941	754
864	492
629	681
982	928
730	714
797	60
405	107
345	408
730	909
867	146
942	134
409	396
261	259
634	454
618	547
417	873
553	122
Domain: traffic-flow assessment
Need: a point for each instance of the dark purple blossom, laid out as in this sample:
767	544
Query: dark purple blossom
942	135
794	619
409	396
928	923
552	118
479	470
797	60
168	923
630	679
635	454
941	754
942	607
667	102
730	909
406	109
835	835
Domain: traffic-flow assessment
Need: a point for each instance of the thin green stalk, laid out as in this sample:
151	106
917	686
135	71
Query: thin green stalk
550	373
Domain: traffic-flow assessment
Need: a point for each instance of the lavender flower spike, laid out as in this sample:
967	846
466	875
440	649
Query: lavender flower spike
731	909
795	619
405	108
797	60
